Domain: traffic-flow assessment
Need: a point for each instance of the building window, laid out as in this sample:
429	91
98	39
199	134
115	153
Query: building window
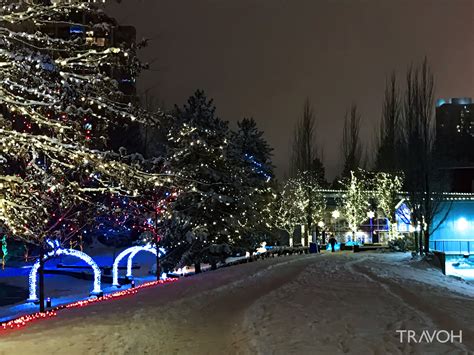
92	40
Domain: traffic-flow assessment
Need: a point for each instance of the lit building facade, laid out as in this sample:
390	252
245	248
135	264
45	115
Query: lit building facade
454	237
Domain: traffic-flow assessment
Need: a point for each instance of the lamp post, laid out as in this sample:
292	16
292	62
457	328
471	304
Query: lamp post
335	214
321	226
371	215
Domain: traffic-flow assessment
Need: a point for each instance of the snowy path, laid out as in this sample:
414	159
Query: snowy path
328	304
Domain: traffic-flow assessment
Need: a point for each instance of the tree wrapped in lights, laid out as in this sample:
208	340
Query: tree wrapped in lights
4	251
59	91
287	215
59	97
387	188
38	173
49	188
123	220
64	85
301	197
355	202
252	156
207	208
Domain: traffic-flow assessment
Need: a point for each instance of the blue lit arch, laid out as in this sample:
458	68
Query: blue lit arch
57	250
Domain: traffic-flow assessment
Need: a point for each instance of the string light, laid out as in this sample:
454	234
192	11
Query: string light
23	321
148	248
132	251
68	252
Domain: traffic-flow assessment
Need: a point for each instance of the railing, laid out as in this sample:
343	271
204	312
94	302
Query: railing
453	246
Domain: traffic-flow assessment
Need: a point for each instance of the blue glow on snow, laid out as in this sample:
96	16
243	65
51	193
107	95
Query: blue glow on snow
337	247
57	250
351	243
131	252
455	235
462	266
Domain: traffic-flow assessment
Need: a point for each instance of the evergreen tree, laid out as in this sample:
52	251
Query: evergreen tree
206	210
252	155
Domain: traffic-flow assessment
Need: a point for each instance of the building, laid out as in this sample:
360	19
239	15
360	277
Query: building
455	141
453	239
455	131
101	31
97	30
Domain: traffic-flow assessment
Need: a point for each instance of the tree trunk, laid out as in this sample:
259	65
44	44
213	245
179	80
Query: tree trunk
309	215
420	241
158	263
308	233
197	268
415	233
426	236
157	239
415	240
41	279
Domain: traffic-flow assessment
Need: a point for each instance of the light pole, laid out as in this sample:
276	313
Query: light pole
321	226
371	215
335	214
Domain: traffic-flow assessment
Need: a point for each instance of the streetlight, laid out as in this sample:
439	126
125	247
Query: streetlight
323	234
371	215
335	214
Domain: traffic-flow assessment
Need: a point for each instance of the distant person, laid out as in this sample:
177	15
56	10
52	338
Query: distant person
333	242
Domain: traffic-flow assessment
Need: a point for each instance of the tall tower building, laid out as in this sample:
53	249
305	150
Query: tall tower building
455	141
96	29
455	130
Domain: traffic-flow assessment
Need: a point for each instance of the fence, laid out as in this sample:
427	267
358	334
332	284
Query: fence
453	246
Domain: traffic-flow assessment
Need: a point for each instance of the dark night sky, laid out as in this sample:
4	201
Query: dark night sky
261	58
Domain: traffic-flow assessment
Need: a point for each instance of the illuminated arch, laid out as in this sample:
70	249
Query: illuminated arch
132	251
149	248
117	260
69	252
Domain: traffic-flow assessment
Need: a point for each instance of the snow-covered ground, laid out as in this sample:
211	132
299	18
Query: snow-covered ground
67	289
310	304
64	289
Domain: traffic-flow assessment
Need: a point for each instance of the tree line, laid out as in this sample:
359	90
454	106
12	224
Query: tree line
81	161
405	146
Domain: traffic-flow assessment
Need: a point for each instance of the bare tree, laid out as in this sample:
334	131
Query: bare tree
306	160
351	144
305	148
424	181
386	159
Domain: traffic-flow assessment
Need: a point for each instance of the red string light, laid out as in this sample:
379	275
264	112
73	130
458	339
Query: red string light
23	321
